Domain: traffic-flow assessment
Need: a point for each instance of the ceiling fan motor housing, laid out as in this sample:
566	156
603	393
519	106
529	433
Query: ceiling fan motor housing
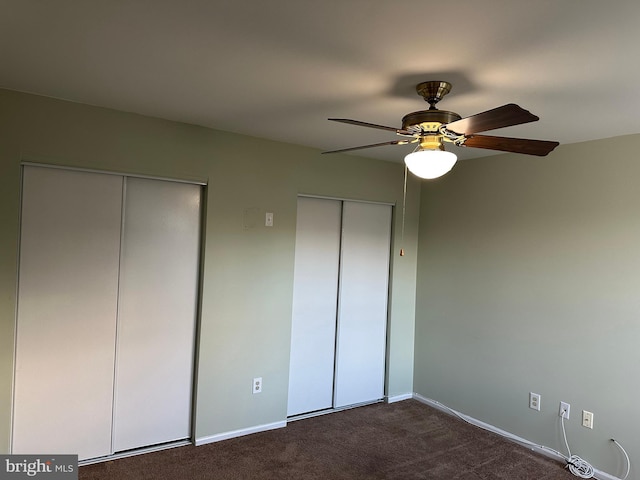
428	121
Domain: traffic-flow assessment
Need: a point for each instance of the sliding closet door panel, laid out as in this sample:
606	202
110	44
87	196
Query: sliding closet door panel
314	305
362	310
67	305
157	313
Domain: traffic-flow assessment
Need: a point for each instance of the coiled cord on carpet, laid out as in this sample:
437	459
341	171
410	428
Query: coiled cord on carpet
576	465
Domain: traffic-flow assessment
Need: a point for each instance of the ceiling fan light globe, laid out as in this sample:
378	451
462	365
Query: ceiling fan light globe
430	164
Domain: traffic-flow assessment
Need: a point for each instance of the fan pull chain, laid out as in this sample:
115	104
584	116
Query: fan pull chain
404	207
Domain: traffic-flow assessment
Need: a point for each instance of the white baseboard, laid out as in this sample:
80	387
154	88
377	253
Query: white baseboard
399	398
600	475
239	433
547	452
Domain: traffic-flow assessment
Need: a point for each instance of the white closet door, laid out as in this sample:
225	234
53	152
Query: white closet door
362	310
157	313
66	318
314	305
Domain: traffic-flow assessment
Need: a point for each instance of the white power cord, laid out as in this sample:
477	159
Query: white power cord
626	456
576	465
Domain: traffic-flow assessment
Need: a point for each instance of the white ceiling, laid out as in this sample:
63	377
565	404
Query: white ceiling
278	69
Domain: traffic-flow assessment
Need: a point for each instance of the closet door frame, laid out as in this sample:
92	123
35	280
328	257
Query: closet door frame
342	201
33	162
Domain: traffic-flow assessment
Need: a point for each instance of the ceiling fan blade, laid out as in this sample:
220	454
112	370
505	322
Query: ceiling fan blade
394	142
504	116
515	145
371	125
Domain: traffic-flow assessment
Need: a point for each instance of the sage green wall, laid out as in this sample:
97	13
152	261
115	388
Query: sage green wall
528	280
248	272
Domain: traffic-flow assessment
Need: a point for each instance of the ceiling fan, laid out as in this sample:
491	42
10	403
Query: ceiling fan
431	128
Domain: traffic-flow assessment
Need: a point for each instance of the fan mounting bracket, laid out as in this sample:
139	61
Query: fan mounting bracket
433	91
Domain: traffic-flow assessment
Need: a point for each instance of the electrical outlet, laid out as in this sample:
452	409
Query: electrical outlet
257	385
587	419
534	401
564	410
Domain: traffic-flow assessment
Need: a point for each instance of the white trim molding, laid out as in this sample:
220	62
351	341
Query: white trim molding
239	433
399	398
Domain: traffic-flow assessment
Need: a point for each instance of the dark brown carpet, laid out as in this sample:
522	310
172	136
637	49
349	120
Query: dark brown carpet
404	440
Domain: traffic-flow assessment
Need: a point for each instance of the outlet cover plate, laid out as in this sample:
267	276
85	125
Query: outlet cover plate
534	401
257	385
565	408
587	419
